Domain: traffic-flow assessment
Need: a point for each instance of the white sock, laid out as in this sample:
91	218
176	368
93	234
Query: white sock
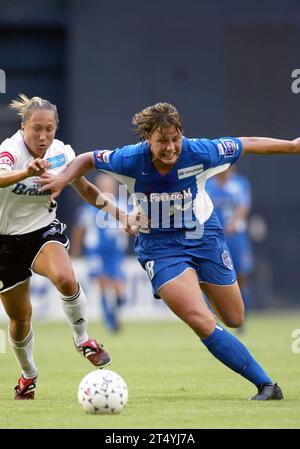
23	351
75	310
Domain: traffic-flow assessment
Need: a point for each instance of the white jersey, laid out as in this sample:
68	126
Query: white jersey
23	208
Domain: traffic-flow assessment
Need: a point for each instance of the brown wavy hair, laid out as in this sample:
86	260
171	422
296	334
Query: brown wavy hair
159	115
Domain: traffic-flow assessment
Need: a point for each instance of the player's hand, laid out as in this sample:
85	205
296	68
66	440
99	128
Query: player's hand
55	183
37	167
135	222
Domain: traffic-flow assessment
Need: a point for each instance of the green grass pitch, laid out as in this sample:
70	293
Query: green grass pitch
173	381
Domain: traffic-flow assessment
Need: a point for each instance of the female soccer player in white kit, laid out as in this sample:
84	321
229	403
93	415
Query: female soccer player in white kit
32	239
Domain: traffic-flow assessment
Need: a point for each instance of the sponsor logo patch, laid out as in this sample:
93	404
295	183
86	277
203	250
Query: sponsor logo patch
161	197
23	189
190	171
103	156
57	161
227	260
229	147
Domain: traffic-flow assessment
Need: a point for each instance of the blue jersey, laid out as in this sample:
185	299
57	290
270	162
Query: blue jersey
177	200
229	196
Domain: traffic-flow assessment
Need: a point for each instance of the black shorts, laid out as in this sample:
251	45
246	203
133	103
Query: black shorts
18	252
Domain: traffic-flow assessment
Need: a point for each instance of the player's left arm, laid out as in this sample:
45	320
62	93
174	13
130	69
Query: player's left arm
266	145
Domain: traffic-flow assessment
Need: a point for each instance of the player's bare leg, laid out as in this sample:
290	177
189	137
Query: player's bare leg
184	297
242	279
227	302
54	263
16	303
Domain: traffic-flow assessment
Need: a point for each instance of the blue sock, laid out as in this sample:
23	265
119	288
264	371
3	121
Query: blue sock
230	351
109	314
120	301
106	310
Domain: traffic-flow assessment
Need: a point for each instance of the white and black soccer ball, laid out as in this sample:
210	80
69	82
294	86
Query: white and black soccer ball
102	391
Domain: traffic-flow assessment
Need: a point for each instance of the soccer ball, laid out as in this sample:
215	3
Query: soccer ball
102	391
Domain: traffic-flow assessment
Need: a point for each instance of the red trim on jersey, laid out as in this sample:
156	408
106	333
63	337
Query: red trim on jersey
7	154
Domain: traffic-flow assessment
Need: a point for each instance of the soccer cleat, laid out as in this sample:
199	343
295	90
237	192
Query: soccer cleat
94	352
25	388
268	393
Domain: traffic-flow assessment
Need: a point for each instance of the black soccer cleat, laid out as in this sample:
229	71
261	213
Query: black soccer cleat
268	393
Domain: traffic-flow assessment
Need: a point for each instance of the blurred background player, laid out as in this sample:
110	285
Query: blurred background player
98	237
231	196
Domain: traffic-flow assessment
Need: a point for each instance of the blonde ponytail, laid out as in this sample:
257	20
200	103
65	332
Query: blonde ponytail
25	106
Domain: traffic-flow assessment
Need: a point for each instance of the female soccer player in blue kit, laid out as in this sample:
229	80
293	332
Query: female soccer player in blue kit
185	245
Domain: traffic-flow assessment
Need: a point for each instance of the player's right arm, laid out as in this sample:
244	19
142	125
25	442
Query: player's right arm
8	176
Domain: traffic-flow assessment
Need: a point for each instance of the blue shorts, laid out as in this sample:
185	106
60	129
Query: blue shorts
165	258
105	265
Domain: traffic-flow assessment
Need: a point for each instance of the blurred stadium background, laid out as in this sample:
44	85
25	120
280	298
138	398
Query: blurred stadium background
227	67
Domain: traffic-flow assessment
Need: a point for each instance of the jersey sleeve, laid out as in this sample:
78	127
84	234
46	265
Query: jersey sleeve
8	157
108	160
225	150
